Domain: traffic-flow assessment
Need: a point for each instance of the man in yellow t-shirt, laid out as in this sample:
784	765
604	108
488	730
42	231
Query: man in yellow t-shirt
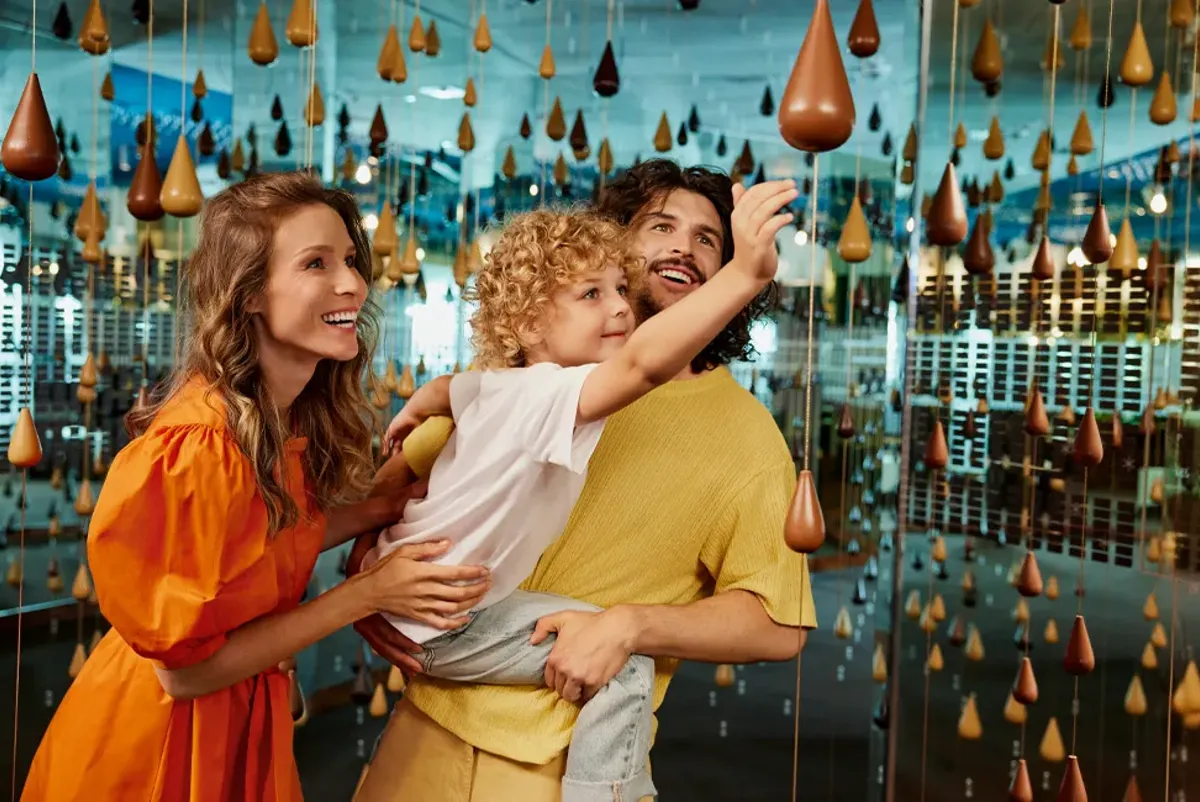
678	535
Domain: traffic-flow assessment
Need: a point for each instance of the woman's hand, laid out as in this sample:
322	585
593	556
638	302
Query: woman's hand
405	584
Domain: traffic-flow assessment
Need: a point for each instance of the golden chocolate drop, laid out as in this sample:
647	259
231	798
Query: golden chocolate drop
1051	748
854	244
1037	422
843	627
1081	138
724	676
1150	608
1014	711
1029	581
1135	697
1081	30
546	67
77	660
662	136
1136	67
395	680
483	35
301	28
879	669
987	65
937	453
970	728
1164	108
378	707
1072	788
1125	254
180	195
24	445
85	502
936	661
263	47
993	146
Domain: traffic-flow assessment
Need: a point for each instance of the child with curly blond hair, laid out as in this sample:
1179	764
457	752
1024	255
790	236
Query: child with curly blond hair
556	353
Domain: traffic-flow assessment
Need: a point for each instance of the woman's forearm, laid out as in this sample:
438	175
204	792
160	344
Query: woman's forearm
347	523
265	642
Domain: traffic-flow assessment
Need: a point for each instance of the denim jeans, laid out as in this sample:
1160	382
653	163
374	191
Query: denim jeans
606	761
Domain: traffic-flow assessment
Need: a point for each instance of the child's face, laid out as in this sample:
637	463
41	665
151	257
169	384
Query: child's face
587	321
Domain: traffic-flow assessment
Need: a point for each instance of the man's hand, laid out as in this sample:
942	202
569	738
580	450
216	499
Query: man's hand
755	222
384	638
589	650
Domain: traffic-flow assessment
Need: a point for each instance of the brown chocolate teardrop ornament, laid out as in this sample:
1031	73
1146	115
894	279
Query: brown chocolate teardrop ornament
466	134
946	223
1080	659
1097	240
1181	13
804	531
1029	581
387	53
845	427
145	189
24	445
1081	30
1025	689
1088	450
30	149
937	453
1072	788
816	113
556	123
1037	422
978	257
1042	267
483	35
1021	789
863	39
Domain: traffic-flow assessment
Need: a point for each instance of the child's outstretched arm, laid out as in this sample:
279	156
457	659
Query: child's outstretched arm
665	344
431	398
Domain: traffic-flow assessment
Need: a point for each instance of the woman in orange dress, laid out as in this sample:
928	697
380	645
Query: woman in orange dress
254	459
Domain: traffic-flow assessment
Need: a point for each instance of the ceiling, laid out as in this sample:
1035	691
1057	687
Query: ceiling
719	58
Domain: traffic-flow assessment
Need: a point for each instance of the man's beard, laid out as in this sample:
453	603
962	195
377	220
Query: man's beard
645	304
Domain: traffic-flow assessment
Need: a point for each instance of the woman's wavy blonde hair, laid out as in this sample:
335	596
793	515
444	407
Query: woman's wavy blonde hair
228	270
537	253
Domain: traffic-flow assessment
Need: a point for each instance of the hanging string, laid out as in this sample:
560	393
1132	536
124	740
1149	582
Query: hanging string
545	106
310	128
24	472
148	152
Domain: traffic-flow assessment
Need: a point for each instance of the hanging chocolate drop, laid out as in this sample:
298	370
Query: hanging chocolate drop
283	140
845	427
61	27
937	453
1025	689
1042	267
263	47
379	130
1080	659
607	81
1105	97
1072	788
946	223
1088	450
766	106
526	127
1097	240
987	64
145	188
863	39
1021	789
978	257
804	530
30	148
817	113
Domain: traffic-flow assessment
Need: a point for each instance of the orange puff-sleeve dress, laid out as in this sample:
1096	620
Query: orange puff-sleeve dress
180	557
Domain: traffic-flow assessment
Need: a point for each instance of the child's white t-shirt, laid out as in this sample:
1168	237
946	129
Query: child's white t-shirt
503	487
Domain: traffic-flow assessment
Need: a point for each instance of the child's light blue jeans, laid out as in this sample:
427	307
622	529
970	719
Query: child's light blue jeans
607	758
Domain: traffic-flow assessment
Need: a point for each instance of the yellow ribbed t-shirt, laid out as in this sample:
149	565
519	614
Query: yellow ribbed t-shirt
686	496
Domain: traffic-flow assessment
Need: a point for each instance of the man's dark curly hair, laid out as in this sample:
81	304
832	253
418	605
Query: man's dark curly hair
644	188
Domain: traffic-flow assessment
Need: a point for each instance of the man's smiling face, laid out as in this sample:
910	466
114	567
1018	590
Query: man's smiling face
681	238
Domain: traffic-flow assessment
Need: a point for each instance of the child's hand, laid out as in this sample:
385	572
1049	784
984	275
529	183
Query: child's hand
401	427
755	222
